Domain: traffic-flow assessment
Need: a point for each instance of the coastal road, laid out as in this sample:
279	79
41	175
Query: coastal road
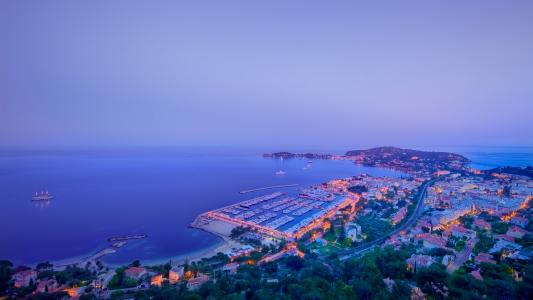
412	219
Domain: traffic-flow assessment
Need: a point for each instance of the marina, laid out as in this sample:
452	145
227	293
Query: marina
287	218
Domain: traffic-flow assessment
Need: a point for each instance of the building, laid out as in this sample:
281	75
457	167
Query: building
195	283
230	268
447	259
24	278
431	241
460	231
399	215
484	257
47	286
476	274
516	232
481	224
417	261
520	221
175	274
74	292
504	237
156	280
505	246
135	272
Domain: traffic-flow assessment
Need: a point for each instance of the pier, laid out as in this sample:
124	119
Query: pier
268	187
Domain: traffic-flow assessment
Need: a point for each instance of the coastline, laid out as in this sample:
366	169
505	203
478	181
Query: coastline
217	228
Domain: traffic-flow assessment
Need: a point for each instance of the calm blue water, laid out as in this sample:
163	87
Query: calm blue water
113	193
103	194
491	157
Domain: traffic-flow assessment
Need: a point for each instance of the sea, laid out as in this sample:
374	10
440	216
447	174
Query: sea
99	194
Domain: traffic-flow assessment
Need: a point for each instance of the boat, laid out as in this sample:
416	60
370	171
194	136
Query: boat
42	196
280	172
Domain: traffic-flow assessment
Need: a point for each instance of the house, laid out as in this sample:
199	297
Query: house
504	245
156	280
504	237
135	272
431	241
48	286
195	283
520	221
516	231
484	257
481	224
230	268
417	294
399	215
476	274
24	278
353	232
238	252
417	261
175	274
447	259
523	254
460	231
74	292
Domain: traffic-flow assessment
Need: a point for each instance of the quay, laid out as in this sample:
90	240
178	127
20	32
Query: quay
268	187
129	237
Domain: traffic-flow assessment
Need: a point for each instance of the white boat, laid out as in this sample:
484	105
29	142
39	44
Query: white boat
280	172
43	196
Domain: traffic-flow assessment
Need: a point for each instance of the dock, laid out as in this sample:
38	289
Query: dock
268	187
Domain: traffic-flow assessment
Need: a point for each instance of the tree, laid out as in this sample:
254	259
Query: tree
525	288
44	266
432	280
5	275
295	263
401	290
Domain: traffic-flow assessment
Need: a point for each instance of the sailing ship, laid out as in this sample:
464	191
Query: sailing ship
42	196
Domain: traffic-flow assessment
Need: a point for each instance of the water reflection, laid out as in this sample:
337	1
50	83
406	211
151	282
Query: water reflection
41	203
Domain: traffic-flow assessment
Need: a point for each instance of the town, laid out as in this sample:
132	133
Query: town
459	223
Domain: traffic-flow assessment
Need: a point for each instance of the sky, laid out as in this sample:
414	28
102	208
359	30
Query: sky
266	73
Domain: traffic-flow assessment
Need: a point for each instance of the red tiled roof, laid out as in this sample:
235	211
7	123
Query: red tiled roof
515	228
504	237
135	271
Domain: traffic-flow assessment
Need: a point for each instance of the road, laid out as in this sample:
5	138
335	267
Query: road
463	256
412	219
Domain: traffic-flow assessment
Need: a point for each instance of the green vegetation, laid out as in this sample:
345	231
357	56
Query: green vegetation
5	275
485	242
499	227
467	221
362	278
238	231
358	189
120	281
373	226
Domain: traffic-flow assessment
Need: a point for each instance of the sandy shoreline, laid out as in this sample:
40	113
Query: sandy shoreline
218	228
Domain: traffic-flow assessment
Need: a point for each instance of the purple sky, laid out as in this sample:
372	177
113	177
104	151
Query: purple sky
272	74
